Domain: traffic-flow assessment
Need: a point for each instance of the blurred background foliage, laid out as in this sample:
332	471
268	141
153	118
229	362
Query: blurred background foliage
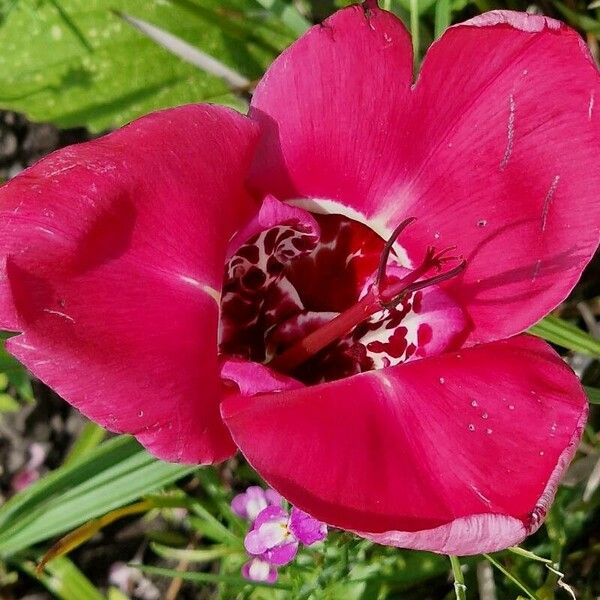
88	66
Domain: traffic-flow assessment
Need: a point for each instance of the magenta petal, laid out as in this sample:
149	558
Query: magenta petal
252	377
493	149
305	528
503	142
238	505
114	253
283	554
459	453
329	107
271	214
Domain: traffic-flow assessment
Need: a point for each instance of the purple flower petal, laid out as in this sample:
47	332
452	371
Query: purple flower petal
273	498
249	504
306	528
283	554
259	570
266	536
271	513
238	506
254	543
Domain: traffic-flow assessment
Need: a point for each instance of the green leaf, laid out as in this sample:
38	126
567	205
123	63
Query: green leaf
48	71
8	404
192	555
116	473
565	334
89	438
14	370
290	16
593	394
579	20
64	580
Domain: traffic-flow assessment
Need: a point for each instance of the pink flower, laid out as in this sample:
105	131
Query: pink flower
249	504
419	417
275	534
274	539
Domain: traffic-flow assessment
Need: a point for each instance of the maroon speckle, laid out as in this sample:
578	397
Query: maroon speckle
270	240
418	302
250	252
254	278
285	283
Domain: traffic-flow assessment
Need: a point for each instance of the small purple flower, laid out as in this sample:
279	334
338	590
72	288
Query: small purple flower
270	537
249	504
275	535
257	569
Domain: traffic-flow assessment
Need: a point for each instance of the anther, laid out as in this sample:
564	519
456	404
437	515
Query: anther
423	283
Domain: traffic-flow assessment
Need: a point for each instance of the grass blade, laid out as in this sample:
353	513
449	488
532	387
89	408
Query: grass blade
89	438
288	14
565	334
593	394
443	16
115	474
187	52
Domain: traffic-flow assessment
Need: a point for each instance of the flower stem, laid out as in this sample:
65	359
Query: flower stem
460	589
414	30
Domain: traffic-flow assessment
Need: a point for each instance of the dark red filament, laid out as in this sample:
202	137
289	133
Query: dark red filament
383	294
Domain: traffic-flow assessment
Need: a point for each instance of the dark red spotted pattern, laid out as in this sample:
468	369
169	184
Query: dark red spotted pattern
285	282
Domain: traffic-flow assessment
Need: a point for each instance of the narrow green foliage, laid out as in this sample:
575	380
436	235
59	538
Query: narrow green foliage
443	16
460	589
565	334
111	476
512	578
63	579
593	394
89	438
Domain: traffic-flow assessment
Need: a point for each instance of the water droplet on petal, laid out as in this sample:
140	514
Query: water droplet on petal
488	431
481	223
484	415
442	380
541	453
511	407
471	427
140	413
474	403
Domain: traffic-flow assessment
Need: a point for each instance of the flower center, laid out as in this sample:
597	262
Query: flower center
324	306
